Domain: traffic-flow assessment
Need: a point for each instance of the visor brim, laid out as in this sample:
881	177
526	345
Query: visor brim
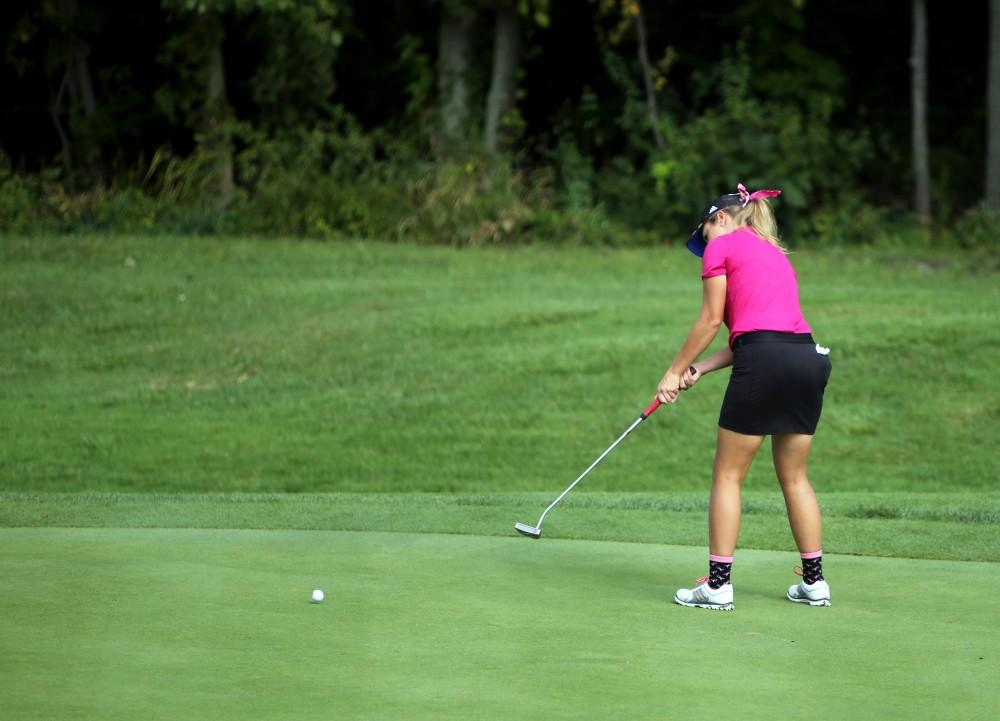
696	243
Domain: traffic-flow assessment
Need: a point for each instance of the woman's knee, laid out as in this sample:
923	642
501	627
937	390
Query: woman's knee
794	481
728	477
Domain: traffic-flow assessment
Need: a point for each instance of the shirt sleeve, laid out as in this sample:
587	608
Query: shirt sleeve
713	262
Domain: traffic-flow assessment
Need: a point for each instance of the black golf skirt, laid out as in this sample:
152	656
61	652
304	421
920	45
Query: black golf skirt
776	385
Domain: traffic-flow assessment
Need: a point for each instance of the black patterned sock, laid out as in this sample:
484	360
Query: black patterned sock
720	569
812	568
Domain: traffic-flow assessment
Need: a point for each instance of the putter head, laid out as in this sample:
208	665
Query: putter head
526	530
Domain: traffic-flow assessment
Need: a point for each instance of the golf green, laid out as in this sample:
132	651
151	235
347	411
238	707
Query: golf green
216	624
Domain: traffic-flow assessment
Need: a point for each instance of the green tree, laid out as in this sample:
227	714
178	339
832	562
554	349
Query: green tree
292	82
56	35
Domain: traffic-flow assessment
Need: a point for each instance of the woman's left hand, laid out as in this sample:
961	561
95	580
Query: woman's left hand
669	388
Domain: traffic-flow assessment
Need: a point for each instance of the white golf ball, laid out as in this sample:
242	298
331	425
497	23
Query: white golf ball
317	596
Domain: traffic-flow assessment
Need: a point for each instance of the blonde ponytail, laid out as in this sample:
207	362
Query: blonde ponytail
760	218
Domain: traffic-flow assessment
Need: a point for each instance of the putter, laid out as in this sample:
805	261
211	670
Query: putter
536	530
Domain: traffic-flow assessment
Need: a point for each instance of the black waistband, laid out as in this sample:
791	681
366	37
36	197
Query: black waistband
771	336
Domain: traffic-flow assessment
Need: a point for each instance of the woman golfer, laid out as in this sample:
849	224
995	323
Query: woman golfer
776	386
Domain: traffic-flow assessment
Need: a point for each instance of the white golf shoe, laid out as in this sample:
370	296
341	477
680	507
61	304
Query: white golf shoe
704	596
815	594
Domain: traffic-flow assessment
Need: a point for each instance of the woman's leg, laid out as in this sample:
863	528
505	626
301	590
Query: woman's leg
791	454
734	452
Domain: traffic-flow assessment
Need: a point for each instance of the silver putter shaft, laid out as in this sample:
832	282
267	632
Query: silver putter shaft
536	530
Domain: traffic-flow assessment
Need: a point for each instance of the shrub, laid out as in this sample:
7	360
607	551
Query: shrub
20	196
979	227
335	181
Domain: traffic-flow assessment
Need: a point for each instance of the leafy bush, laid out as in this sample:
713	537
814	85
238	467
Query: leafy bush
37	203
979	227
19	201
849	221
337	181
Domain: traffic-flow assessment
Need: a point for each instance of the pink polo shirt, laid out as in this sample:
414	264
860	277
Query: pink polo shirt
762	291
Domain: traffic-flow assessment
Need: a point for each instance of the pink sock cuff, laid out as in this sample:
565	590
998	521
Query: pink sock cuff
720	559
811	554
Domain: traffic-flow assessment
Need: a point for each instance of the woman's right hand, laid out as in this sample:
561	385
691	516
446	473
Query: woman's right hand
669	388
690	377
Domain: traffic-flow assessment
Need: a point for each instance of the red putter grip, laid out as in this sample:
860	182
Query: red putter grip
652	407
656	401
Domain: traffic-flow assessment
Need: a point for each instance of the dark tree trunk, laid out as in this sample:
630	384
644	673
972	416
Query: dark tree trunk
921	161
647	77
503	84
454	46
216	119
993	111
77	81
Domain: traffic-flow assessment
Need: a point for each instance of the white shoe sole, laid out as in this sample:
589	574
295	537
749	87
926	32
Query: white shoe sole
710	606
811	602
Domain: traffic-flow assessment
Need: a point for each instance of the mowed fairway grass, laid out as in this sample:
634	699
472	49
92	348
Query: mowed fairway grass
195	433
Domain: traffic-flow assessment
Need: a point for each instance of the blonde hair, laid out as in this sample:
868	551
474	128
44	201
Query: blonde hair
760	218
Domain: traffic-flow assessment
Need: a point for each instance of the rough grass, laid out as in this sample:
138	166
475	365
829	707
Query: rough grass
959	527
265	365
